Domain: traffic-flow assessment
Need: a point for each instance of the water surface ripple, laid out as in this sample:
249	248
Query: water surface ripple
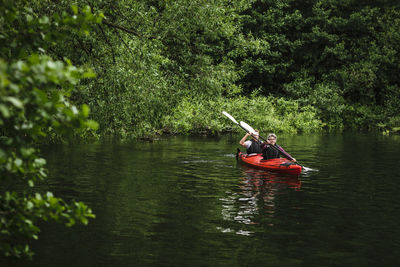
183	201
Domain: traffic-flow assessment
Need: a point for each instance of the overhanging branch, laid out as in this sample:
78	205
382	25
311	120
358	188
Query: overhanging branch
117	26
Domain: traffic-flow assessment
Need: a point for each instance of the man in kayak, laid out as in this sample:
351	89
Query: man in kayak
271	150
252	146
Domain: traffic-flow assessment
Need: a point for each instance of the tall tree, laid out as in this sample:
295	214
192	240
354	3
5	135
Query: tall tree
150	55
339	56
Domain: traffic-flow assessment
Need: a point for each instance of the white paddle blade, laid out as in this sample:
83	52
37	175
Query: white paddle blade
247	127
229	116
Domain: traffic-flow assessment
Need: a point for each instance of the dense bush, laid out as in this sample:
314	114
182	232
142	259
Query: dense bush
264	113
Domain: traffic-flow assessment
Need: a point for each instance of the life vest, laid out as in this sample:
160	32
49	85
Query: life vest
270	153
255	147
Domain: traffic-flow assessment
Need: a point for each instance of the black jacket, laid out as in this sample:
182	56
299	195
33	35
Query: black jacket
255	147
270	153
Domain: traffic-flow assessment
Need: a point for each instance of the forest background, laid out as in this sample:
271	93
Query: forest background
138	69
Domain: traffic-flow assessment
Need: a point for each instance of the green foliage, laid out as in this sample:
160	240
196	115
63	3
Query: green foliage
392	126
148	56
154	56
20	214
266	114
275	26
314	50
24	30
129	103
34	104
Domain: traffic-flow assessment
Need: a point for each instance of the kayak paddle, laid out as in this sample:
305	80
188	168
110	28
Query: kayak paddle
249	128
252	131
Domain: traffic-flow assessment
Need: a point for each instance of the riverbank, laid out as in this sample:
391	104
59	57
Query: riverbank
268	114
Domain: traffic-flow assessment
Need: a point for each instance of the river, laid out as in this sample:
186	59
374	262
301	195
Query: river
185	201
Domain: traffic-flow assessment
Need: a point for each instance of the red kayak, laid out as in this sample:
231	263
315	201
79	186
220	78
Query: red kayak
282	165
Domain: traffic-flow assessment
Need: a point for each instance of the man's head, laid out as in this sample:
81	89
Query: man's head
272	138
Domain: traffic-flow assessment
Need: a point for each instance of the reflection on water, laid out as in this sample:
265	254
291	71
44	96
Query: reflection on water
185	201
256	194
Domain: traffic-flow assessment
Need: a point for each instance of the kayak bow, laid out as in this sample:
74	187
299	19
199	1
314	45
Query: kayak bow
282	165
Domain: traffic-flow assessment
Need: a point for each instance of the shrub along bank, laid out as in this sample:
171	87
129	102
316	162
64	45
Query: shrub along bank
265	113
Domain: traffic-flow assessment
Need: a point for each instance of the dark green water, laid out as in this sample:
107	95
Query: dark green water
186	202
